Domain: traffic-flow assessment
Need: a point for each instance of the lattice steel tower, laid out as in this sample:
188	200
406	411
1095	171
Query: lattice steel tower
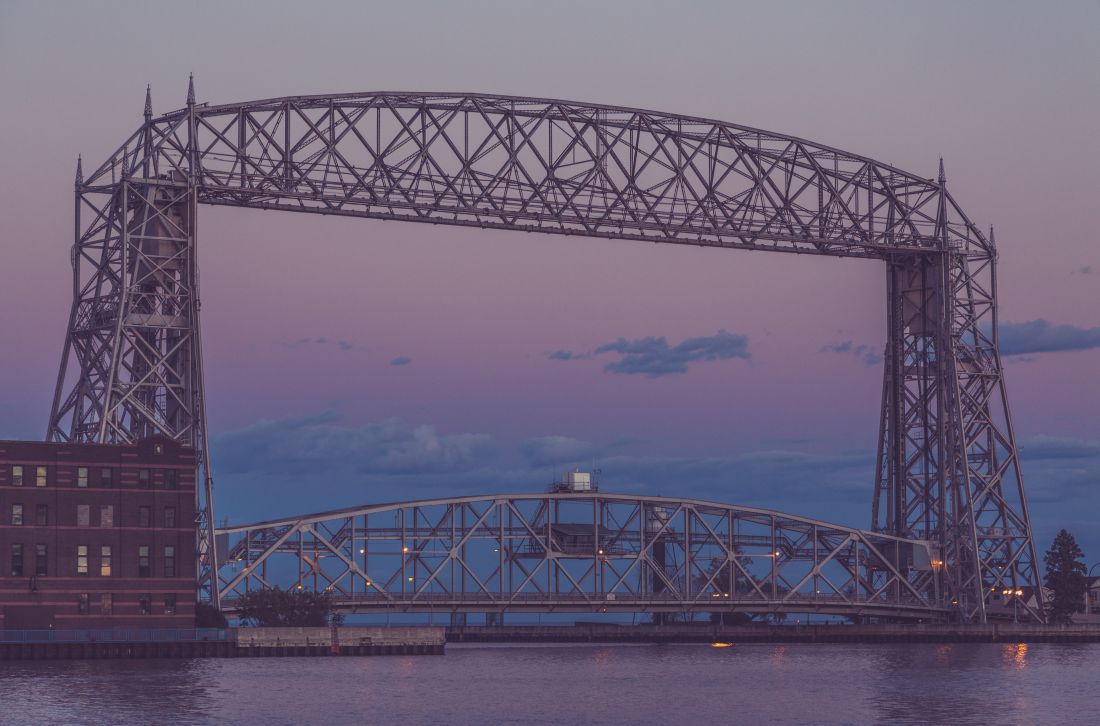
948	467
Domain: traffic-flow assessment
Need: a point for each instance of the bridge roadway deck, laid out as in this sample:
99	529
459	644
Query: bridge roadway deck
618	603
583	552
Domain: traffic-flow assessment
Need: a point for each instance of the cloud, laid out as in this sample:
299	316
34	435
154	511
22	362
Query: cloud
315	463
401	360
319	341
1044	447
1041	336
1017	341
559	450
869	355
566	450
652	357
321	445
1061	477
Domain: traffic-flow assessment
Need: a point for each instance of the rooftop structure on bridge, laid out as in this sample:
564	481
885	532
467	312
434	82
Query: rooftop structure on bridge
576	482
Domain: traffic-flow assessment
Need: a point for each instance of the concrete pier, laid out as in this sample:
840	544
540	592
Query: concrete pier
229	643
266	642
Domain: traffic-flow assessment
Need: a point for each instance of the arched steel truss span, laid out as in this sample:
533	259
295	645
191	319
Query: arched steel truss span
948	468
591	552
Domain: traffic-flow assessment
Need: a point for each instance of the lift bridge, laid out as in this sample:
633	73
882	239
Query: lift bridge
584	551
949	529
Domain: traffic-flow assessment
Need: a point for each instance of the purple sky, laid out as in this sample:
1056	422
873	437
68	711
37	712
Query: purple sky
1006	93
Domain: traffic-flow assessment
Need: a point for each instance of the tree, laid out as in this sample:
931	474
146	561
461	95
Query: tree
717	578
273	607
208	616
1065	577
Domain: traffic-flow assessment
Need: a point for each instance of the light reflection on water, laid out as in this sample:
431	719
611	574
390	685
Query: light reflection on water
578	684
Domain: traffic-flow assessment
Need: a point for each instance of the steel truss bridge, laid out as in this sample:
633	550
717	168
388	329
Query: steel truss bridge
948	471
588	552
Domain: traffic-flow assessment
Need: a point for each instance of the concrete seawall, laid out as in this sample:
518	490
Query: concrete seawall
340	641
708	633
229	643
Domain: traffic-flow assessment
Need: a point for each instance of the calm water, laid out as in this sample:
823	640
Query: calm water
658	684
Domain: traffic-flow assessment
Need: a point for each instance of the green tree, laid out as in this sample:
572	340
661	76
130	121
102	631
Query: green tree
1065	577
274	607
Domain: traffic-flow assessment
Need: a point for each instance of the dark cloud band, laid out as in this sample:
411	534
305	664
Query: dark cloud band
653	357
1042	336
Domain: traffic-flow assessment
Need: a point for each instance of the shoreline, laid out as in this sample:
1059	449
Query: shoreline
709	633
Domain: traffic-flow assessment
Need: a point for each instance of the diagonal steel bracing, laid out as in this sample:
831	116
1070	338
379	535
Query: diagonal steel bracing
948	470
598	553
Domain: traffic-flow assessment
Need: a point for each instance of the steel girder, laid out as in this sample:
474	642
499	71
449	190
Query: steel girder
949	470
582	552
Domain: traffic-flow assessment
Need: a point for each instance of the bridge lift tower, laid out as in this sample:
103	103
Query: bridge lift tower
948	470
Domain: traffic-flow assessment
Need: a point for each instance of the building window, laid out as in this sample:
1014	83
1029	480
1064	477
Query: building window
41	560
16	514
143	478
82	603
17	560
16	476
171	479
105	478
41	515
143	561
82	477
145	604
169	604
144	517
83	515
106	604
40	476
169	561
106	515
105	561
170	517
82	559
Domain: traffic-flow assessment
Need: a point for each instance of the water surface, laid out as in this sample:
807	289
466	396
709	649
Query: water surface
578	684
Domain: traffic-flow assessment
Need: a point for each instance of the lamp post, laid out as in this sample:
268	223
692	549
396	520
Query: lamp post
1015	594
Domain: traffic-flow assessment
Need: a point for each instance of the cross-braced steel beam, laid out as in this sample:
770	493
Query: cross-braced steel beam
584	553
948	466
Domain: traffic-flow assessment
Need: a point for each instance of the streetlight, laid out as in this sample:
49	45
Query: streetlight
1015	595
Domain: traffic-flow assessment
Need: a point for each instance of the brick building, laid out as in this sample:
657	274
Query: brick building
97	535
